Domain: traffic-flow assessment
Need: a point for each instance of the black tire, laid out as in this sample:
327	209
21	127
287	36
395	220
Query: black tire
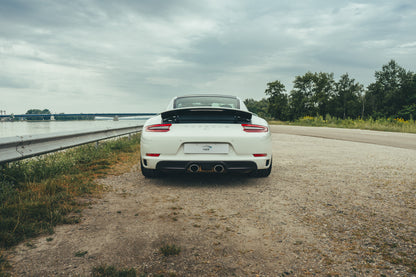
148	173
261	173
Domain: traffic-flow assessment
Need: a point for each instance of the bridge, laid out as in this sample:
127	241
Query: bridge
115	116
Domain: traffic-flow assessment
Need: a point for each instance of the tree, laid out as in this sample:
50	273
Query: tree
301	96
408	96
322	91
278	107
346	101
311	94
36	111
258	107
393	90
393	94
408	112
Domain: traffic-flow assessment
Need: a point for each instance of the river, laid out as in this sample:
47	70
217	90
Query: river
25	128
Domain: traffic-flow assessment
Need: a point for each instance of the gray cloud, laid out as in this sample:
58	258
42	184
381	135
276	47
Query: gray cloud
126	56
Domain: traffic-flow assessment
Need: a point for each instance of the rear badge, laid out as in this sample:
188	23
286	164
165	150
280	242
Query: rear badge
206	147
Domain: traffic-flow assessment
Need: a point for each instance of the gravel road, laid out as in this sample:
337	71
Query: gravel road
331	207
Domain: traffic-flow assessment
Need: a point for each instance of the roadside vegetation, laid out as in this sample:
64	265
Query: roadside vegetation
170	249
381	124
39	193
317	99
112	271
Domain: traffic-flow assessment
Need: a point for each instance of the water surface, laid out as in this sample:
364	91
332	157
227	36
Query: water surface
24	128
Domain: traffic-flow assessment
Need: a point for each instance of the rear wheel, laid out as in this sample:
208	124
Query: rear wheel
149	173
262	172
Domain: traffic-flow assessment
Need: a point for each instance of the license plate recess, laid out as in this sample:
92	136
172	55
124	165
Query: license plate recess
206	148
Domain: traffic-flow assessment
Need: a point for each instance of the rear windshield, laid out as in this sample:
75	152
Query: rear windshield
206	101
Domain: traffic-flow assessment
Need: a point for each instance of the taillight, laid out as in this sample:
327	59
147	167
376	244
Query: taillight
252	128
260	155
152	154
158	128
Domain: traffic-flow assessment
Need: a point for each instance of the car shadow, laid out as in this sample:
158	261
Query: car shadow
204	180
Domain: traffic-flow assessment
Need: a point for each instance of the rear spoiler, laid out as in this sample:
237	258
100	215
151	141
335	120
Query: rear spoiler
206	115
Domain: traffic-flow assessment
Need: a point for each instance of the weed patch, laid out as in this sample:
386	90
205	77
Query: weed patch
39	193
170	249
111	271
80	253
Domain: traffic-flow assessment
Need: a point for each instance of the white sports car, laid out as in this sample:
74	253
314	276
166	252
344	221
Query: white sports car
206	133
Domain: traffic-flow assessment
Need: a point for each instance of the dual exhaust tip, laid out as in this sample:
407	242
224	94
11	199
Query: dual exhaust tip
218	168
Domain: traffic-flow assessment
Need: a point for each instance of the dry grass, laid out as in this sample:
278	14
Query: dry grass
37	194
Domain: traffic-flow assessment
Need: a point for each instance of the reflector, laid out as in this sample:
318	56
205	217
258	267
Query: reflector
152	154
259	155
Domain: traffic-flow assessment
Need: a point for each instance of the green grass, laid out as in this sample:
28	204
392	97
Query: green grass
382	124
37	194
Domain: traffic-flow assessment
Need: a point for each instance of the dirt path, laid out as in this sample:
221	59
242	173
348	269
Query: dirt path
330	207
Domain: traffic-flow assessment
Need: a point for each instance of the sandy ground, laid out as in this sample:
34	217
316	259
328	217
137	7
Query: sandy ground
329	208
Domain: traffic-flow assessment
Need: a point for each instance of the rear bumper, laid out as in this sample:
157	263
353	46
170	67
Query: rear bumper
166	151
207	166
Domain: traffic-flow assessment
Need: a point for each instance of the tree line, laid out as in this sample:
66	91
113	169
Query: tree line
45	112
392	95
59	117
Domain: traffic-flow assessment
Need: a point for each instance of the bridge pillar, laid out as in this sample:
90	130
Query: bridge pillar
52	118
115	118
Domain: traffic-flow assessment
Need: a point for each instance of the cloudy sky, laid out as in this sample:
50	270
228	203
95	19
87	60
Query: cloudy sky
133	56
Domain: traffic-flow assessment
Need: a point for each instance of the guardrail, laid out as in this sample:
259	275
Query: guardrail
22	147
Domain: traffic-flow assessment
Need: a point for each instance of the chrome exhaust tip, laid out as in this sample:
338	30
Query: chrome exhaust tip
219	168
193	168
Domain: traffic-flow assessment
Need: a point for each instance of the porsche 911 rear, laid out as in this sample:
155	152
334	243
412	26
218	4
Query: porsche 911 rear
206	139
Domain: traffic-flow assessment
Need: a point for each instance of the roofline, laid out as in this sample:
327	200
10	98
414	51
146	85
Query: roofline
208	95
